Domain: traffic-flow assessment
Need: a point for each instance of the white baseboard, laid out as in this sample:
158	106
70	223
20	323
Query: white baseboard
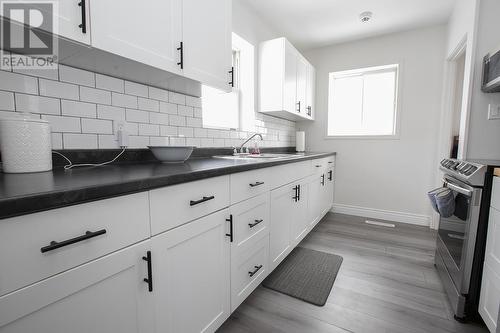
381	214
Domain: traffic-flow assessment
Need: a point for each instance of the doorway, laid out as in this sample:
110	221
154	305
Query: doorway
459	64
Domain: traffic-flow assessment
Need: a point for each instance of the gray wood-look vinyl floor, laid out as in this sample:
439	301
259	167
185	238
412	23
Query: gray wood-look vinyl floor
387	283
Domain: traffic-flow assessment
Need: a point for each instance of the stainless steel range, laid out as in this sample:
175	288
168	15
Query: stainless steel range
457	258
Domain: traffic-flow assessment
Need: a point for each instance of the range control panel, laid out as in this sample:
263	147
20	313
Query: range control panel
469	172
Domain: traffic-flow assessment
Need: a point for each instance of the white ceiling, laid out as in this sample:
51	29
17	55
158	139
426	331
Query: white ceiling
315	23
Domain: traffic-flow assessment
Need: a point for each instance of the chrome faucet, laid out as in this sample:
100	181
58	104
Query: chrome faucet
250	138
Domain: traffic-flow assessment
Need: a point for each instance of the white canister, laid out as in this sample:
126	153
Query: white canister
25	144
300	141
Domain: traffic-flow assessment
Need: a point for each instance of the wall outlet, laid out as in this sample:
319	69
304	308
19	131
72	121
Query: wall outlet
493	111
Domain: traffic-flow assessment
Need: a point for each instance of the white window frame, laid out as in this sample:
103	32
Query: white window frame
397	102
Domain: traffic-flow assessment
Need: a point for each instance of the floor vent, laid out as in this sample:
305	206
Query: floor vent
383	224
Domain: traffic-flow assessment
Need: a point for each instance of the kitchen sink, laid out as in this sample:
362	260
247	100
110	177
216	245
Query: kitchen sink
256	156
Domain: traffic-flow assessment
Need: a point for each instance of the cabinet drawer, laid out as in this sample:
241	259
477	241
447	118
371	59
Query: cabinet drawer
248	270
320	165
495	193
248	184
250	220
175	205
114	223
288	173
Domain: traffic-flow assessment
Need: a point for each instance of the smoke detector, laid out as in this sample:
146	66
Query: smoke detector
365	16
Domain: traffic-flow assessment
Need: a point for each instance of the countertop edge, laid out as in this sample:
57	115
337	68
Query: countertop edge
39	202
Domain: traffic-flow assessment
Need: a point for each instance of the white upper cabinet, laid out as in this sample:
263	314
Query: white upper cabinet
206	35
310	91
148	33
286	81
73	21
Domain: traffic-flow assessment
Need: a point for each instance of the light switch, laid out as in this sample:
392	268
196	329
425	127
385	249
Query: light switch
493	111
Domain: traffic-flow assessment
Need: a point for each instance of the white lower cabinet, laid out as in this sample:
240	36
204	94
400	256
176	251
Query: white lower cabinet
106	295
191	272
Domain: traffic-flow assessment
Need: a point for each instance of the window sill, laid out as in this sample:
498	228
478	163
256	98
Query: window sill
362	137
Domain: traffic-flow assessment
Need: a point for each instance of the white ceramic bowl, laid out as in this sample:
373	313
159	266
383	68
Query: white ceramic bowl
171	154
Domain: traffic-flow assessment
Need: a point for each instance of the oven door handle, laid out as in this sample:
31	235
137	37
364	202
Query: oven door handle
457	188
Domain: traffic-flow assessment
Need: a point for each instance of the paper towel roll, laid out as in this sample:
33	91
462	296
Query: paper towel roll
300	141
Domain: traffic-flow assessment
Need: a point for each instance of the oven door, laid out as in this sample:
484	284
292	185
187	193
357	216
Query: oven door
457	234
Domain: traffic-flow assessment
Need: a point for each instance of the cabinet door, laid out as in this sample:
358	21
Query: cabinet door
490	297
290	84
146	33
282	215
315	193
301	85
329	190
105	295
300	222
69	18
191	270
310	90
206	34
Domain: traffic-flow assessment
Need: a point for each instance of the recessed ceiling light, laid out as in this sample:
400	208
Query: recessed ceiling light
365	16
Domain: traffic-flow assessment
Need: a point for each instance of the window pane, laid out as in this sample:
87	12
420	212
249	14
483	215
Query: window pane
363	102
378	104
346	105
219	109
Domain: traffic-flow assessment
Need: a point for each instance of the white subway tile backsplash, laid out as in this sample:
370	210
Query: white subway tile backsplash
77	76
78	109
136	89
37	104
159	94
176	98
63	124
185	110
125	101
138	141
57	141
110	112
85	109
169	108
168	131
158	118
109	83
177	120
149	129
148	104
79	141
186	131
58	89
193	101
93	95
18	83
193	122
97	126
6	101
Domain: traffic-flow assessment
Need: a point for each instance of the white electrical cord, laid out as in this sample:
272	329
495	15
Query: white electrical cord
71	165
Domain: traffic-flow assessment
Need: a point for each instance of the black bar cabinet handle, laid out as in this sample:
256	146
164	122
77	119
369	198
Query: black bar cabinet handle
231	83
330	175
181	49
257	268
318	166
83	26
230	234
298	106
298	186
323	179
149	279
251	225
197	202
296	196
309	110
55	245
256	184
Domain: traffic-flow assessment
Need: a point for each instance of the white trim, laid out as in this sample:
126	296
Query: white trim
402	217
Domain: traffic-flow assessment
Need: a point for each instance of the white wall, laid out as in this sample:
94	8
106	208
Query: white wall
484	134
386	178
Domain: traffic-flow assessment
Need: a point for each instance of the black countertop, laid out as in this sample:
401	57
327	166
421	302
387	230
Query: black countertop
28	193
